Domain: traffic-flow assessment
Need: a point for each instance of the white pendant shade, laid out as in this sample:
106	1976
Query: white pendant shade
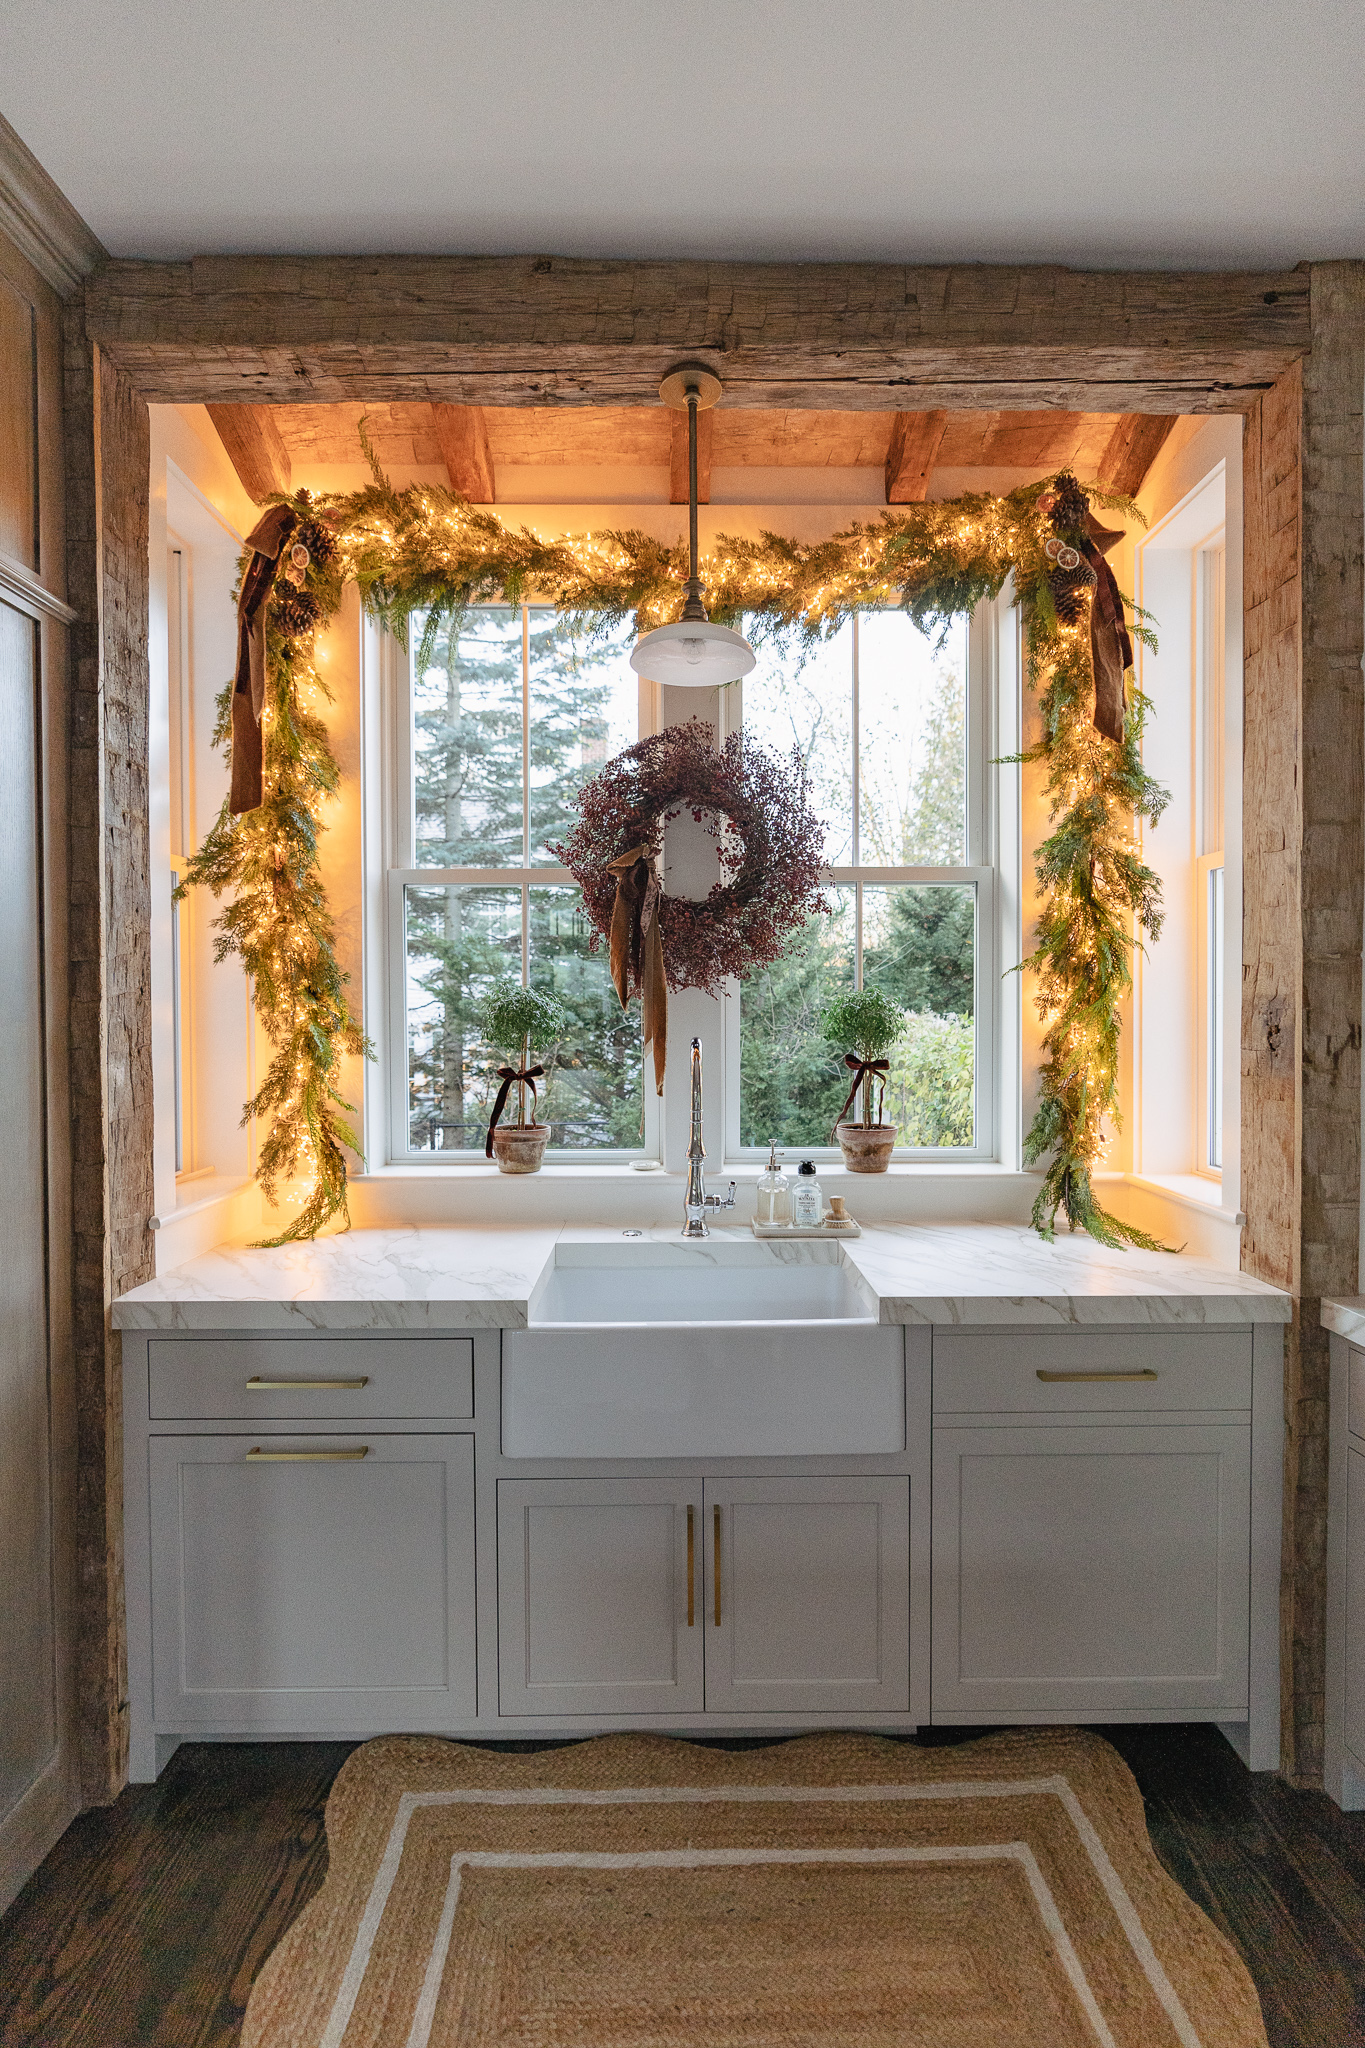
692	654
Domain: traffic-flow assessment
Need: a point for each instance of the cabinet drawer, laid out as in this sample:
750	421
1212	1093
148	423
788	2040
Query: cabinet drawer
295	1379
1355	1408
1052	1372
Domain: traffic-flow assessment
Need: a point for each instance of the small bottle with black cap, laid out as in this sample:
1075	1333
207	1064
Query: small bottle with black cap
808	1198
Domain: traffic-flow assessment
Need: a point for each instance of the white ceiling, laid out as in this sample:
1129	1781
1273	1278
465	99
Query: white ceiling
1160	133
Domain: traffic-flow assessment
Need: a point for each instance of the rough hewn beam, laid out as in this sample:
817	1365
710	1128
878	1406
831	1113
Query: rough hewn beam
870	337
910	456
463	435
1304	898
254	448
1133	447
109	937
678	459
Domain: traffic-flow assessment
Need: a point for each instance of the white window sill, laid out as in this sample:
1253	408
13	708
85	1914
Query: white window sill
747	1170
1188	1190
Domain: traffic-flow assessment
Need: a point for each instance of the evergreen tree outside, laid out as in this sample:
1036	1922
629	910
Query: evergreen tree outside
471	811
918	939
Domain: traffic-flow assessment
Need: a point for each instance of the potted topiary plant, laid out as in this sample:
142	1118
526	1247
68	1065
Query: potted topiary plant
513	1021
871	1023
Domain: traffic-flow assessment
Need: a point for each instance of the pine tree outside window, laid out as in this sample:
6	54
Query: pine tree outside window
894	732
510	715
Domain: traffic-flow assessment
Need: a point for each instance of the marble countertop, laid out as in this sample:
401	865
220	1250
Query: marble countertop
1345	1313
461	1277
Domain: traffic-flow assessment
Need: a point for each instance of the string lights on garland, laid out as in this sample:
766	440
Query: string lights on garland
422	549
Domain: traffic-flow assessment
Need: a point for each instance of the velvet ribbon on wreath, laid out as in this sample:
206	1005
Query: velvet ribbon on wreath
637	948
509	1076
266	542
860	1070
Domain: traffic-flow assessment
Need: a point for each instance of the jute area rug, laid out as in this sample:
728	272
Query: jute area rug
836	1891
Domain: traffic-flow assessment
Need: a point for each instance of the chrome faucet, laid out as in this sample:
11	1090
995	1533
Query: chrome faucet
697	1201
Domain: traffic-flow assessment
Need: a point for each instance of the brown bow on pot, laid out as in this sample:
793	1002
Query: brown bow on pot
860	1070
509	1076
637	948
266	541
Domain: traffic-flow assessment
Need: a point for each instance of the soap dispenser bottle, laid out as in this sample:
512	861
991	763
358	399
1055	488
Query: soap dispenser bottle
808	1198
774	1192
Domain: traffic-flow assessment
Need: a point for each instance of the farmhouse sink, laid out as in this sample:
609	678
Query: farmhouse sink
721	1349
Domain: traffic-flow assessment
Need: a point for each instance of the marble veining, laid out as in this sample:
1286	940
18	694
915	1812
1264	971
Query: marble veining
460	1277
1345	1315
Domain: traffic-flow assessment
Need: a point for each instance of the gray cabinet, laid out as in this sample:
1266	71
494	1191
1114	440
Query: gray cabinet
1090	1569
596	1611
735	1594
301	1584
809	1597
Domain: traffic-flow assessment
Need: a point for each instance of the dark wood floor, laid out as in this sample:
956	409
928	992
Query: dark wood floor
147	1923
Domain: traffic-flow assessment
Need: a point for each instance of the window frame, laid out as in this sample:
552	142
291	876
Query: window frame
994	667
400	873
980	870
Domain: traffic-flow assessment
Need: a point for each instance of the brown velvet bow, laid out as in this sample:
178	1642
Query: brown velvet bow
509	1076
1111	649
637	948
861	1069
266	540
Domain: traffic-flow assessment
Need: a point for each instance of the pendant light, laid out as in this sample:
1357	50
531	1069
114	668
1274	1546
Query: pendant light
694	653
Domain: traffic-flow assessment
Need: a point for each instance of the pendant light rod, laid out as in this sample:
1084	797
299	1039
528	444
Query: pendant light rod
694	608
694	386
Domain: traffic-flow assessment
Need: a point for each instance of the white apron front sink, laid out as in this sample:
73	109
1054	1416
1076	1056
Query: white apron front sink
718	1350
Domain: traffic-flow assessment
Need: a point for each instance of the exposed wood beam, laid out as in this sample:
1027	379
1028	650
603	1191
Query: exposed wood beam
911	454
1134	445
677	457
254	448
463	435
862	337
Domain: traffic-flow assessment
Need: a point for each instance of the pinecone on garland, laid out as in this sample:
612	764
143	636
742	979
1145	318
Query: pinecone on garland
294	612
1072	587
319	540
1072	504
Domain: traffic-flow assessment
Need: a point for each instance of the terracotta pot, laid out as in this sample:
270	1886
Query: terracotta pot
519	1148
866	1147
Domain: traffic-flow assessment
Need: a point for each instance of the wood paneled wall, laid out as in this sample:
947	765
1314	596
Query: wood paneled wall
1304	902
108	477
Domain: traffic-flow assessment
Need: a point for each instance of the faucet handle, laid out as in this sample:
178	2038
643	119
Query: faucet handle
715	1202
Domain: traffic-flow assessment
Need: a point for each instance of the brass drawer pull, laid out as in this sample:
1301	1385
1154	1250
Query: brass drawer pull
260	1386
1147	1373
716	1552
691	1567
265	1457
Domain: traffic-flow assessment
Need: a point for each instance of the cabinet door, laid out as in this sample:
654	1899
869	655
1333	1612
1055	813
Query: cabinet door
298	1586
1082	1570
1355	1605
595	1613
807	1595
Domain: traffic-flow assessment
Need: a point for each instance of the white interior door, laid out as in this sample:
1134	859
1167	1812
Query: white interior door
807	1595
596	1613
300	1586
1086	1569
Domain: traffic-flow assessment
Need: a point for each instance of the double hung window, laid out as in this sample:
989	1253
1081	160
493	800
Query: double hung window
507	717
893	730
502	722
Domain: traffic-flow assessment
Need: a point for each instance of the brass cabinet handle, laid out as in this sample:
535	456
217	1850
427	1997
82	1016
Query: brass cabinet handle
1147	1373
304	1457
691	1567
716	1551
260	1386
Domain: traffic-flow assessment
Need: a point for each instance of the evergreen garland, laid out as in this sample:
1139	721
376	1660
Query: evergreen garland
424	549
